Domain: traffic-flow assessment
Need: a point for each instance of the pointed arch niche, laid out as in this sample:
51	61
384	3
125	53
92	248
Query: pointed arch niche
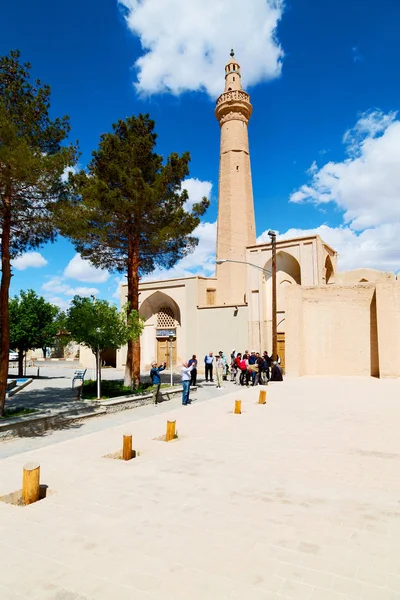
288	272
329	272
160	309
161	315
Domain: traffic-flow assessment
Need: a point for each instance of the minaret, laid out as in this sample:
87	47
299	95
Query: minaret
236	226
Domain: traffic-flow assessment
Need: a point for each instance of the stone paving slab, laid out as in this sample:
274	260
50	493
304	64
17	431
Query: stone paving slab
298	498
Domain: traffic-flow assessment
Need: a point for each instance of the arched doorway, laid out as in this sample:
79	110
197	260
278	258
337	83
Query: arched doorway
165	328
162	319
288	273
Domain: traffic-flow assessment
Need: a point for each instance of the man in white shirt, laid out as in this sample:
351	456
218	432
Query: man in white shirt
186	376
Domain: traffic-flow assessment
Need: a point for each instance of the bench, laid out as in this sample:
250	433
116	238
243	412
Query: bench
79	375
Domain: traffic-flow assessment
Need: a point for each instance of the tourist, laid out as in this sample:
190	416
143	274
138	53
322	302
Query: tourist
208	362
243	370
233	355
220	368
260	362
276	372
252	369
238	360
233	370
268	362
155	379
186	375
226	367
193	361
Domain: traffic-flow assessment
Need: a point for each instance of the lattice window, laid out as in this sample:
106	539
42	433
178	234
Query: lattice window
166	317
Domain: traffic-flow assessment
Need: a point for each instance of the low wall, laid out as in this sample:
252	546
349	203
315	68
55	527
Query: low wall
39	424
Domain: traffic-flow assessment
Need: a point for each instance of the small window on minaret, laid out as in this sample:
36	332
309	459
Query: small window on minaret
237	167
229	89
233	79
234	68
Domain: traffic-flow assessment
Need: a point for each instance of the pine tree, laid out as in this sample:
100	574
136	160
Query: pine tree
32	161
129	212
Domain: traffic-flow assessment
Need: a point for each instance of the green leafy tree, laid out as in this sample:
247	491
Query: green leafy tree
33	324
32	162
99	325
129	212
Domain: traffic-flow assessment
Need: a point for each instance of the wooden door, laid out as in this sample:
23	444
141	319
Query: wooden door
163	350
281	348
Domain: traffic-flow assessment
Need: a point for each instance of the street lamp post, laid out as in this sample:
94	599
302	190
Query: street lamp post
98	367
171	339
272	236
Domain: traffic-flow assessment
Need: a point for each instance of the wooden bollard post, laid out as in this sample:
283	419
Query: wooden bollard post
170	434
263	397
238	407
127	447
31	483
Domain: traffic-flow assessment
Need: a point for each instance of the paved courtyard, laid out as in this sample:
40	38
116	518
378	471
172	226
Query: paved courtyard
297	499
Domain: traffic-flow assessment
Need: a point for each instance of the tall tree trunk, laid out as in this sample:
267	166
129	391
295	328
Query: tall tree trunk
20	363
132	369
4	297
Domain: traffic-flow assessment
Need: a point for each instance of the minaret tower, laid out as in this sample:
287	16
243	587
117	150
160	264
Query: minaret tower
236	225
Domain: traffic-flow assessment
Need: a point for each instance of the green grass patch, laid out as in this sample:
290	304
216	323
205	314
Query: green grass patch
18	412
114	388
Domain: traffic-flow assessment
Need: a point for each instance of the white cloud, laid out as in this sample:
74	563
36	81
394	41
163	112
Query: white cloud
365	186
67	171
201	262
82	270
197	190
29	259
57	285
374	248
119	282
62	303
186	43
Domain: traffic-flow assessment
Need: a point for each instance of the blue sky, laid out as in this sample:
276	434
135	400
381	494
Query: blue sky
324	136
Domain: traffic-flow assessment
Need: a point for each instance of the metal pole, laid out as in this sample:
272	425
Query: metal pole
98	374
170	360
274	332
259	314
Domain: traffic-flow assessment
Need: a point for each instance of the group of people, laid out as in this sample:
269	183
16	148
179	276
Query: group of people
249	368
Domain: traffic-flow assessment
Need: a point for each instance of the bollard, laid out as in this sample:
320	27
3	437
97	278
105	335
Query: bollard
31	483
238	407
263	397
127	447
170	434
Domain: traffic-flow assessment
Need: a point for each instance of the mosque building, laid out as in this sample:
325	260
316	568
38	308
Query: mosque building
327	323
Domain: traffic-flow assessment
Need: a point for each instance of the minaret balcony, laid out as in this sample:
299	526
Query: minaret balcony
234	104
234	95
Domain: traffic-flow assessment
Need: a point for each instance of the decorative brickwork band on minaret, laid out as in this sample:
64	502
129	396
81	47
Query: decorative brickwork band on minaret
236	225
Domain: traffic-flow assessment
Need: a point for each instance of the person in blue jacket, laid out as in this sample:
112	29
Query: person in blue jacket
155	379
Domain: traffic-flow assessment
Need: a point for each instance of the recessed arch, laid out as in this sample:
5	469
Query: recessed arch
157	301
329	272
286	264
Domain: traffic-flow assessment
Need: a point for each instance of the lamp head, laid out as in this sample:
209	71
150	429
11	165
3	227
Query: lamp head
220	261
271	233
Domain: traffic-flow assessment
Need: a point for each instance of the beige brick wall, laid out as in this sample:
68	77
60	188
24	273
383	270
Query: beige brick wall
332	330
